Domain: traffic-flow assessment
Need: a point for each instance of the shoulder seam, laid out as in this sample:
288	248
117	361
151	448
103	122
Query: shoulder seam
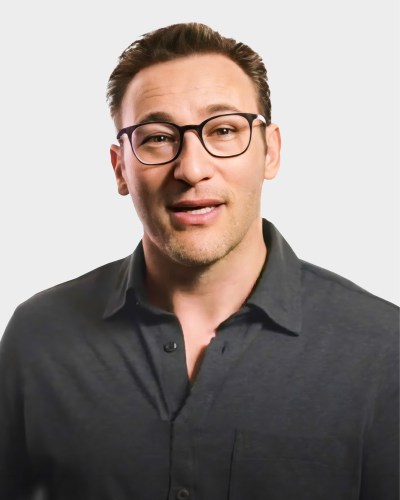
335	278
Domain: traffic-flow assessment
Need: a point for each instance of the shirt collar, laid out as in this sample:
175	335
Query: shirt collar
278	289
277	292
130	277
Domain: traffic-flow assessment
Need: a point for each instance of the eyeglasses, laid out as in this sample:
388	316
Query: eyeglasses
222	136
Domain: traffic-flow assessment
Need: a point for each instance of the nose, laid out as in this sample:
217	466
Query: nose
194	164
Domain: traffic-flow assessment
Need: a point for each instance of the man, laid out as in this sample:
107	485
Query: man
212	363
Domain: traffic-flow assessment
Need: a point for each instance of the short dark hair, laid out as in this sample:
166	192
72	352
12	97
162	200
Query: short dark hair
180	40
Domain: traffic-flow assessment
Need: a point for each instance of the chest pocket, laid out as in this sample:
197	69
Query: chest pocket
292	468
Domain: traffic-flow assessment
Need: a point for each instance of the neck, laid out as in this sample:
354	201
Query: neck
208	294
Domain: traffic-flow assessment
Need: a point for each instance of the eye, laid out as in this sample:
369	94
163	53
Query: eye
157	138
224	127
154	135
223	131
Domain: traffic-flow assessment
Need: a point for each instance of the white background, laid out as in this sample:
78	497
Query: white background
334	80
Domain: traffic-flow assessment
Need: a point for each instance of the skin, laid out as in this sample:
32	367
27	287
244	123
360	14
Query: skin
197	271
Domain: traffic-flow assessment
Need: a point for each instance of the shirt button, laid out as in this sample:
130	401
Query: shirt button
183	494
171	347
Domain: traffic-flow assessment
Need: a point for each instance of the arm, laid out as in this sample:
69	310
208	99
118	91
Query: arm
380	474
14	468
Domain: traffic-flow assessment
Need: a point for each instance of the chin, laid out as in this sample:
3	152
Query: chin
196	256
193	261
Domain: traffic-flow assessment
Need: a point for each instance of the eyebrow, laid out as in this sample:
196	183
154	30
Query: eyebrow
156	116
161	116
222	108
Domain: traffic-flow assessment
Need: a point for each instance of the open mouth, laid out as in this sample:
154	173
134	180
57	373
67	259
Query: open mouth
195	210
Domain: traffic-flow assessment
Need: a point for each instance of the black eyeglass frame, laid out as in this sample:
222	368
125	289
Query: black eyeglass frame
250	117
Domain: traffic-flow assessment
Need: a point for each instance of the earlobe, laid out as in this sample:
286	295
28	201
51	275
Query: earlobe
117	164
273	156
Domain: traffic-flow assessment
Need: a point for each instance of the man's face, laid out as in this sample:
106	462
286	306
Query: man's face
198	208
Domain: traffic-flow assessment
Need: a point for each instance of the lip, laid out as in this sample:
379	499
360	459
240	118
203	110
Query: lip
180	215
200	203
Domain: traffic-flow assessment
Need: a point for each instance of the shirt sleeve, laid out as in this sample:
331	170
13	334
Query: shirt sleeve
14	464
380	475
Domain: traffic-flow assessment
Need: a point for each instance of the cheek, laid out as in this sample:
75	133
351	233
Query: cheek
132	173
144	184
247	178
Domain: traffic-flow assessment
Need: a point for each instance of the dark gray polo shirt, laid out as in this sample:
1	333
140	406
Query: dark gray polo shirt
296	397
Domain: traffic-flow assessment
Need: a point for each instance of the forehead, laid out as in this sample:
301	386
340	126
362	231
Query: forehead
189	88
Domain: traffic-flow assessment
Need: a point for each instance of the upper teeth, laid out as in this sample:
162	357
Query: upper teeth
196	211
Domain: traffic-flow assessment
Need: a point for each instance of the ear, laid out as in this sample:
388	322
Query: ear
273	156
117	163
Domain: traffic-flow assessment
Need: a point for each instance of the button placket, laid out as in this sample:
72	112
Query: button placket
182	463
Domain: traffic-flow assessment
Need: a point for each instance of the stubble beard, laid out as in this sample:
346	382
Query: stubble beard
203	253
